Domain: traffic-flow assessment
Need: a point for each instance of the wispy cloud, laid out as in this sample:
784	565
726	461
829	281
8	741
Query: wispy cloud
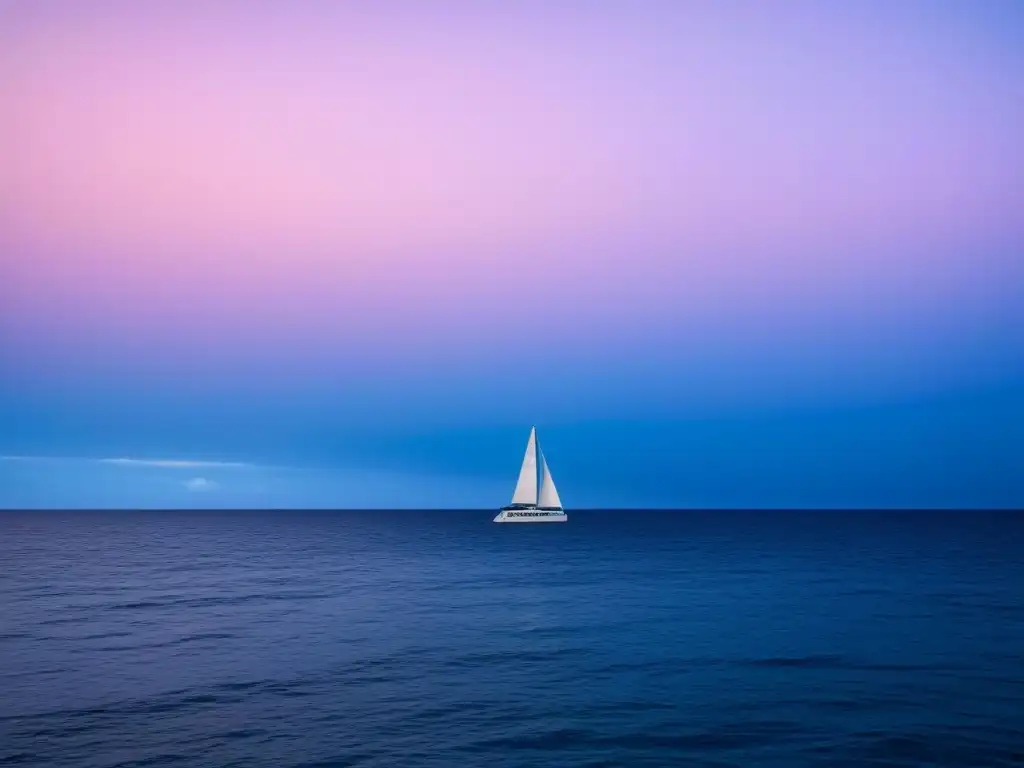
199	484
175	463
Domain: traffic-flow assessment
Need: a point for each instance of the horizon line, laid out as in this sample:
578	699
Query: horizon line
484	510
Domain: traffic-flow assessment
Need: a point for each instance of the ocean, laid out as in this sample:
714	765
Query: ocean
292	639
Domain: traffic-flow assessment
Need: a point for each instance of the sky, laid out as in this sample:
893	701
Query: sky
317	254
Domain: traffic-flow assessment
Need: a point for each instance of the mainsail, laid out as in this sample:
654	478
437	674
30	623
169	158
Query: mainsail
548	493
526	488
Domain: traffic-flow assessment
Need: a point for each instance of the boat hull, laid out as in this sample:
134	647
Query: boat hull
531	515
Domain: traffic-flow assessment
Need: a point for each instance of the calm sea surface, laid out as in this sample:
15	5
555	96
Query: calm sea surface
439	639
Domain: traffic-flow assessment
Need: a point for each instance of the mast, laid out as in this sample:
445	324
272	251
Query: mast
526	487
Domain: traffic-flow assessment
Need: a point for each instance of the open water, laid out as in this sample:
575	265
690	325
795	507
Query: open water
438	639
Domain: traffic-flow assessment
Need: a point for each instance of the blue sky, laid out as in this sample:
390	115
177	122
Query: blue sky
951	451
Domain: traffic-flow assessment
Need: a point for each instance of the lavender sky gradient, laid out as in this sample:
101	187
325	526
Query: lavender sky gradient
770	253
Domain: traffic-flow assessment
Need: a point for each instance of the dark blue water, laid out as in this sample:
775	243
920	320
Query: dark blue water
439	639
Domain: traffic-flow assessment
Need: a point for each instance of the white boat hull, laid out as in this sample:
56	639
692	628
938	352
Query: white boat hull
531	516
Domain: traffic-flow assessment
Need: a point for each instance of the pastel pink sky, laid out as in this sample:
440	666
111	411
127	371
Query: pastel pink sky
314	175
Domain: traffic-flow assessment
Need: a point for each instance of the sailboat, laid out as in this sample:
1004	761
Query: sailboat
535	499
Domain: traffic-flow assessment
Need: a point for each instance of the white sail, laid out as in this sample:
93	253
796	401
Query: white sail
548	493
526	488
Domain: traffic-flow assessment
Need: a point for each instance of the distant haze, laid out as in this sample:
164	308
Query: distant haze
723	254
